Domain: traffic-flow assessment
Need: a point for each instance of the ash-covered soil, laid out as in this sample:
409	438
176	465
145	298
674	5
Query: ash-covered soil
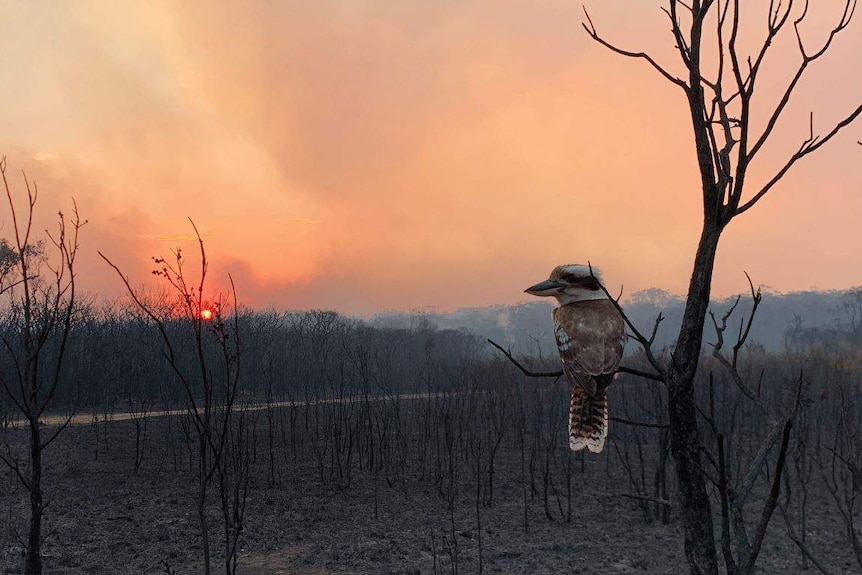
103	519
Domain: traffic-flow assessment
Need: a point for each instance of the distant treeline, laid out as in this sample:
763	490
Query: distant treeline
116	357
791	321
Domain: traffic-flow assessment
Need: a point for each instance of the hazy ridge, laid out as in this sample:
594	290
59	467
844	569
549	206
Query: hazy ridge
782	318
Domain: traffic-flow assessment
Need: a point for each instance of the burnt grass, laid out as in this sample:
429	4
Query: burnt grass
311	511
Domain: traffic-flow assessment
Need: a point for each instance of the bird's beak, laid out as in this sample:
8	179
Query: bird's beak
547	287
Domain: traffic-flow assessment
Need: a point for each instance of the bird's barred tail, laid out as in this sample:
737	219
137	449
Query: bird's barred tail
588	419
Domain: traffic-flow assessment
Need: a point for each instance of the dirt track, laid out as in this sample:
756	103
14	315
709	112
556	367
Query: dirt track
88	418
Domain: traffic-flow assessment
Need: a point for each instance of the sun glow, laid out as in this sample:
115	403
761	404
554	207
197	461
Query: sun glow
207	314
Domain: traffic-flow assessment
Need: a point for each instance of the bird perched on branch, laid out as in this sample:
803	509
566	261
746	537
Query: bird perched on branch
590	334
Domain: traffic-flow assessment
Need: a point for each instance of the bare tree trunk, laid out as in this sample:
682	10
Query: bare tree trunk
33	565
203	481
682	410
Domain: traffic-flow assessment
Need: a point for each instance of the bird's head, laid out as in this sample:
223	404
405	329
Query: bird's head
571	283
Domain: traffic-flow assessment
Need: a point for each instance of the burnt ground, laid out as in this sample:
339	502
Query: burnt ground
102	519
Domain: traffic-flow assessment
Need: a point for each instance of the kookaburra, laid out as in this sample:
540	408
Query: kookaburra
590	334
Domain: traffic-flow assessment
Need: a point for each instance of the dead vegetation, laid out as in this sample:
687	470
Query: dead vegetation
366	472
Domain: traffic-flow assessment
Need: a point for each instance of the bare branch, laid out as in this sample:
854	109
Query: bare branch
169	349
523	369
757	463
725	507
732	363
676	30
591	30
771	501
791	533
658	500
639	423
14	466
811	144
59	430
646	343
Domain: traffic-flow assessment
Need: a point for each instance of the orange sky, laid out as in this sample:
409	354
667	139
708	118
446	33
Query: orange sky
401	154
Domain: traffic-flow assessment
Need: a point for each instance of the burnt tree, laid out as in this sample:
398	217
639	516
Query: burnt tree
37	296
719	93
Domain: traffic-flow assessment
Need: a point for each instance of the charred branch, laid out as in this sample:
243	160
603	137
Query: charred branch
744	329
806	551
593	33
639	423
645	342
771	502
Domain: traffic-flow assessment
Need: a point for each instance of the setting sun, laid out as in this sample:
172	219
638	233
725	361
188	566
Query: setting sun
206	314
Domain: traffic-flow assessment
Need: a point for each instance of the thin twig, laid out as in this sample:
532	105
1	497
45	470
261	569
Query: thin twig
591	30
639	423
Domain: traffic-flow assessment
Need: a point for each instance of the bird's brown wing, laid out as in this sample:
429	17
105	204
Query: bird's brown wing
590	337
